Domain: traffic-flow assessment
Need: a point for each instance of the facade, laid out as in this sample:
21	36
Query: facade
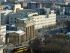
63	18
64	13
3	33
37	5
33	5
27	26
17	7
3	14
11	20
2	0
1	7
41	21
15	37
30	30
64	9
12	17
67	1
2	28
34	22
67	10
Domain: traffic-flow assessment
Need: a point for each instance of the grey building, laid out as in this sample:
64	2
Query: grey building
65	9
12	17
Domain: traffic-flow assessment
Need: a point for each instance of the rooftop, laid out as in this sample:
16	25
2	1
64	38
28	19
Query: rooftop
20	32
22	13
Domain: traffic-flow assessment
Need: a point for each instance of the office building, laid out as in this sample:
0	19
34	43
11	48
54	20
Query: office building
41	21
38	5
3	14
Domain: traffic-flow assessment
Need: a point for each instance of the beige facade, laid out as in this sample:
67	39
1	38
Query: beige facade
15	37
41	21
12	38
17	7
34	22
30	30
28	27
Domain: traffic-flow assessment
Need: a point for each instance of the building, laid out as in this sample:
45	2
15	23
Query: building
12	17
26	25
3	14
38	5
34	21
65	9
41	21
40	17
25	32
49	1
2	28
1	7
15	37
63	14
17	7
67	1
43	3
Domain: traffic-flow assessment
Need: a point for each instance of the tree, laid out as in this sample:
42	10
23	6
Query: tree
36	45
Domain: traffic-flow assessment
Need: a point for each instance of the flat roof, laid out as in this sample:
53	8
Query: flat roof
20	32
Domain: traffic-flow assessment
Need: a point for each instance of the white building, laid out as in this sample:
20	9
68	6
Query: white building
41	21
